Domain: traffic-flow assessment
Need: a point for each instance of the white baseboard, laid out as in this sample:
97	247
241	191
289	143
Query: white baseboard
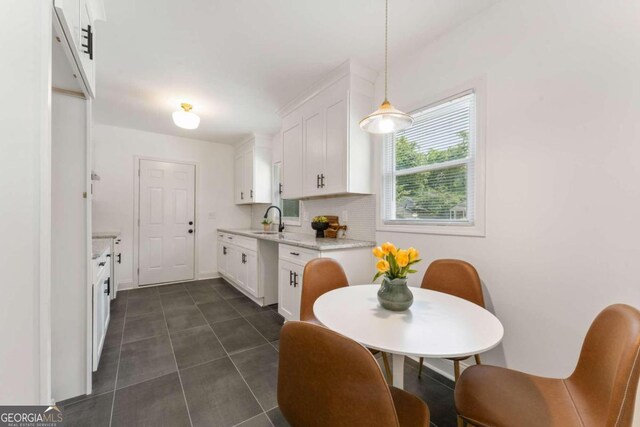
208	275
125	285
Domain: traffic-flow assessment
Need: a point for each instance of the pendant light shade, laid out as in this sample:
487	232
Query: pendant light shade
386	119
185	118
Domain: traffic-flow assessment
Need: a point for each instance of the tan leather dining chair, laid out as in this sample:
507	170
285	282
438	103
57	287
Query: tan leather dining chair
326	379
320	276
458	278
600	392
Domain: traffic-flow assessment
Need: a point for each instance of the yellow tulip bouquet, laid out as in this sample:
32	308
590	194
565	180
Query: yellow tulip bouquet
394	263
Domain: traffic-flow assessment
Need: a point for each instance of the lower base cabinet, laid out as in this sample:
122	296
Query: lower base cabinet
358	264
249	266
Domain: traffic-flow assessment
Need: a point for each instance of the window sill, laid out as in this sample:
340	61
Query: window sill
447	230
291	222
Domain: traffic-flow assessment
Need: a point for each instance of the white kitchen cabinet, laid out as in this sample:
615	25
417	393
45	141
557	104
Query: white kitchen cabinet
290	289
336	154
358	264
253	171
249	266
75	25
292	156
222	255
101	304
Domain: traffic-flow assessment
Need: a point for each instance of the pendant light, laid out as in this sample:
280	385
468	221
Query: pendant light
185	118
386	119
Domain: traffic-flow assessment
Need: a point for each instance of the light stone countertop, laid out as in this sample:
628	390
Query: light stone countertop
108	234
301	240
99	246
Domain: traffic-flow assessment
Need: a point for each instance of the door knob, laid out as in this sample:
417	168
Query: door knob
190	231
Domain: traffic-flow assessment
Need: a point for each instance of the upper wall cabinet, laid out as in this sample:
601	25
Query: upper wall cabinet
75	25
252	182
324	150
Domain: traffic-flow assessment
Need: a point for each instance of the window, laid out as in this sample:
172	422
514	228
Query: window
430	170
290	208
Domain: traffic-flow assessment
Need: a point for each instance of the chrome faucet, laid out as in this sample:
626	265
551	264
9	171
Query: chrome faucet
280	224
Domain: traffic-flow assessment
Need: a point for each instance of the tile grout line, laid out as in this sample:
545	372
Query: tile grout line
245	316
175	360
115	383
232	362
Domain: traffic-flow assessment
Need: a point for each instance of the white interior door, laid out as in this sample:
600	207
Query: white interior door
167	216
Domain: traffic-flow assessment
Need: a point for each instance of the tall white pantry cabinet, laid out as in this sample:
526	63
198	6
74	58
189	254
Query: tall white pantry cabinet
73	285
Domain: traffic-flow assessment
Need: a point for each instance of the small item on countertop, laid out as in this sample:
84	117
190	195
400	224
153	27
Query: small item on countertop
334	227
320	224
266	224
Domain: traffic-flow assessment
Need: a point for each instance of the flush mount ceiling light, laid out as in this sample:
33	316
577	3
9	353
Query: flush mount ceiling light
185	118
386	119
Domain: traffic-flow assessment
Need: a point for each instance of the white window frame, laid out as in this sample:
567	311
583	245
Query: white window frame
277	198
477	181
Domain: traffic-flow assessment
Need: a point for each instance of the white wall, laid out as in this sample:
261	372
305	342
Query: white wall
113	196
563	151
25	191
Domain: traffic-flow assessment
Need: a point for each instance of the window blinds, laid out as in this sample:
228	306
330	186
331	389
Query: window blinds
429	168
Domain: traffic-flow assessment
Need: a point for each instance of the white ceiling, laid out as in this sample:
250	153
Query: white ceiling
239	61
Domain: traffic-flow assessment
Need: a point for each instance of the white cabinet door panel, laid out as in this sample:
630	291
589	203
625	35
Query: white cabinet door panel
292	162
239	195
289	290
252	273
335	147
313	134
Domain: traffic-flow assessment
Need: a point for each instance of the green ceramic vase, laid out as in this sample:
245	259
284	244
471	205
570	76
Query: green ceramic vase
395	295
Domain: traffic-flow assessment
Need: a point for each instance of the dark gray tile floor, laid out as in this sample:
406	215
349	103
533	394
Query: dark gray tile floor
202	354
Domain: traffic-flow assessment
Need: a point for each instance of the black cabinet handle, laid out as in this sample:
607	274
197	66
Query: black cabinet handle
244	258
321	180
317	181
251	194
190	222
224	250
290	278
108	255
295	279
190	231
280	189
101	264
89	38
119	258
241	195
294	253
108	283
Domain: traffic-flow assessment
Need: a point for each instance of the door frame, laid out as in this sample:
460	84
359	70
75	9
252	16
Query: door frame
136	215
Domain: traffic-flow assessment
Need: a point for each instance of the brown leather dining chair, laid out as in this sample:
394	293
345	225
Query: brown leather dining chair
600	392
326	379
458	278
320	276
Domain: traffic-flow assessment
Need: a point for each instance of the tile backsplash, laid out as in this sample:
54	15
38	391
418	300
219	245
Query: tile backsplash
360	215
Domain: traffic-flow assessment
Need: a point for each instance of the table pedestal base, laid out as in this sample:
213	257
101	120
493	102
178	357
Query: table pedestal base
398	370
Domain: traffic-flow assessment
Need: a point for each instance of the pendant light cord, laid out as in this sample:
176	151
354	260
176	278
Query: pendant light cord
386	43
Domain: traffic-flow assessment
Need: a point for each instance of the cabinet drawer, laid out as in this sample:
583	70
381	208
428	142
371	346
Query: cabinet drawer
242	242
101	265
296	254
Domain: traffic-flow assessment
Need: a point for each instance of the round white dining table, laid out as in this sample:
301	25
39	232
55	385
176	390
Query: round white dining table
437	325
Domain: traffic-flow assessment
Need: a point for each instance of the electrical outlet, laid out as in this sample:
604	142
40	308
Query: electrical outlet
344	218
